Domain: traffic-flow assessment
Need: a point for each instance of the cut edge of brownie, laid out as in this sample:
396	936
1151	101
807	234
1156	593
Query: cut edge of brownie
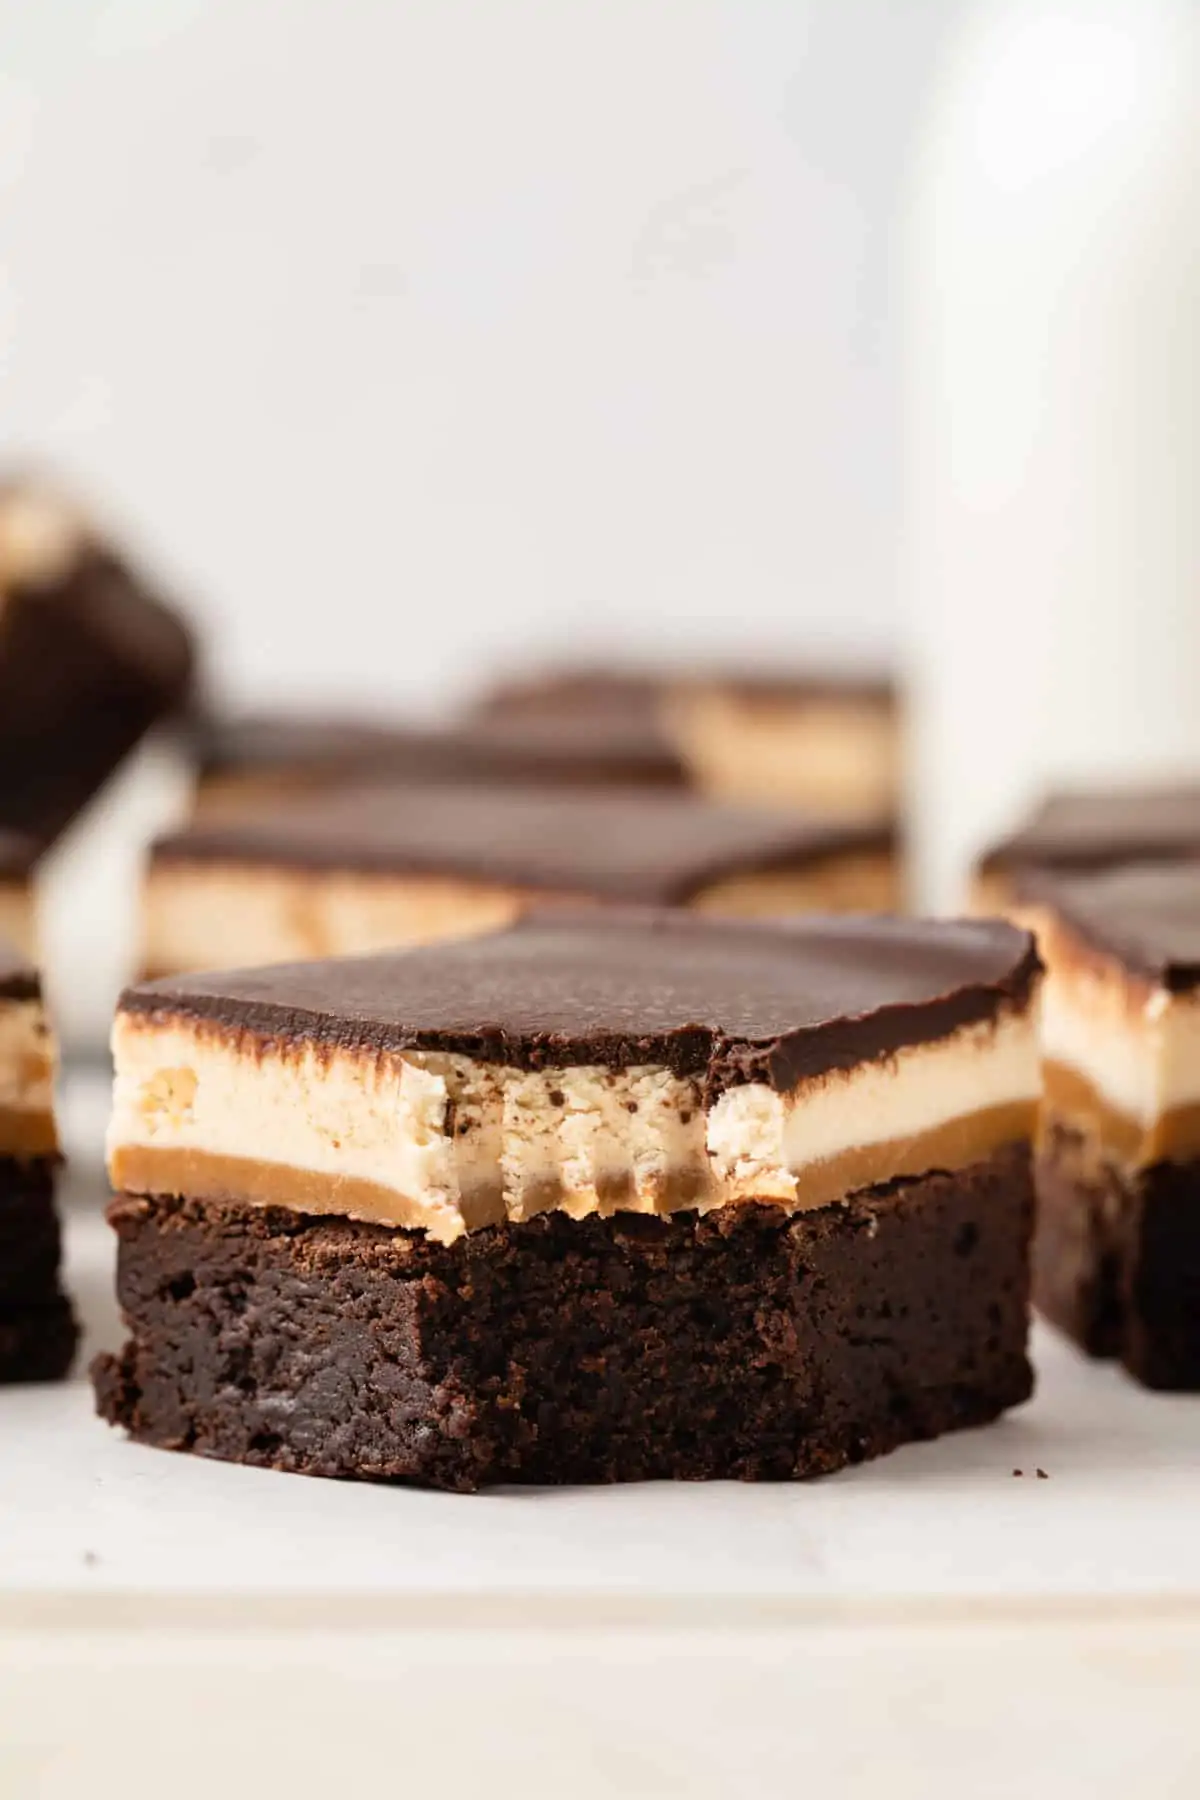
1116	1263
750	1343
38	1329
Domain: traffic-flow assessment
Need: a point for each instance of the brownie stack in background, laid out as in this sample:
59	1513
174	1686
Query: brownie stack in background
355	869
822	742
1109	880
317	834
248	760
1084	831
90	659
37	1326
18	856
93	660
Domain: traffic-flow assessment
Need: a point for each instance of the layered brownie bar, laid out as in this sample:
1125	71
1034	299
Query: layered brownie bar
605	1196
824	743
89	661
257	760
1118	1247
386	867
1087	831
37	1329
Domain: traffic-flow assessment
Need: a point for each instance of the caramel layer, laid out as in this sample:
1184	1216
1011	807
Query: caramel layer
25	1134
954	1145
1071	1100
150	1169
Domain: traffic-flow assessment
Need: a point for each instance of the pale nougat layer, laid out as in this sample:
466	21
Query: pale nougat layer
1121	1054
447	1143
837	754
27	1063
207	915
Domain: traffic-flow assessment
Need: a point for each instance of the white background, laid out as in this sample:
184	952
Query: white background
411	335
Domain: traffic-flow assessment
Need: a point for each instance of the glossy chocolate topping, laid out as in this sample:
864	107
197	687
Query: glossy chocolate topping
1100	829
645	847
19	980
727	1002
1146	916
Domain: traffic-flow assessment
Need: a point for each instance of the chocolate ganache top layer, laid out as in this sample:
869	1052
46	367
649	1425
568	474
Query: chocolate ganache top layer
1098	829
726	1002
645	847
1146	916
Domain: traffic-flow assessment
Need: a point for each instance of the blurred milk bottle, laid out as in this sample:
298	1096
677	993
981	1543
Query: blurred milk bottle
1053	401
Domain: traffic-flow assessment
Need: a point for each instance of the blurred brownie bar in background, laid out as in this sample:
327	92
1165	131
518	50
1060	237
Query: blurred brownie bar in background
17	857
820	743
392	865
608	1196
90	659
37	1327
260	758
1118	1248
1088	830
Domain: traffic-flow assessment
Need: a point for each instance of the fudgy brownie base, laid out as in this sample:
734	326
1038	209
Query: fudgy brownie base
1117	1260
746	1344
38	1333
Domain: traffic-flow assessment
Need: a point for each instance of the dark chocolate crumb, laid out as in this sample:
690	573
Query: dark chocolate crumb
1042	1475
1018	1471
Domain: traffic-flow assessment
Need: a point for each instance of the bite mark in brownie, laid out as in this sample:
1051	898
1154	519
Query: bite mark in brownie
644	1061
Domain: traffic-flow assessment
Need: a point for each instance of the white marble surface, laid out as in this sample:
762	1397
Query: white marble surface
929	1626
83	1513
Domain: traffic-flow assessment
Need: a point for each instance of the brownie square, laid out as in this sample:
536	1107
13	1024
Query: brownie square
607	1196
743	1345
